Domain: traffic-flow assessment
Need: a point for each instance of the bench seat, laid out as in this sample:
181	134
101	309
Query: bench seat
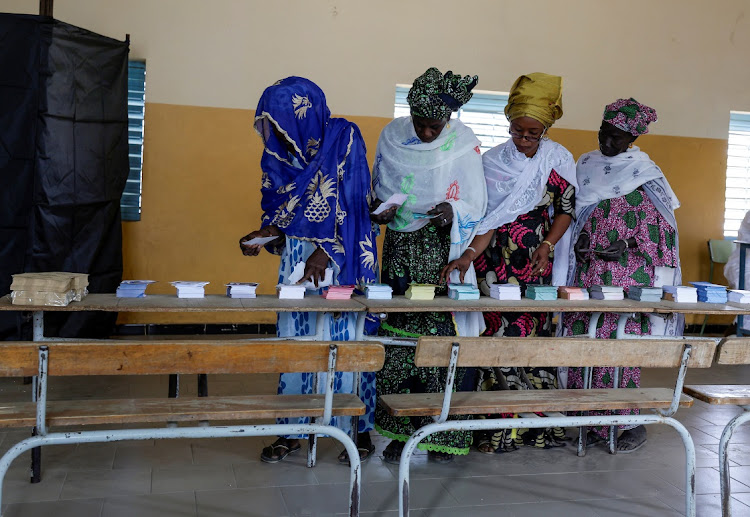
188	409
530	401
734	394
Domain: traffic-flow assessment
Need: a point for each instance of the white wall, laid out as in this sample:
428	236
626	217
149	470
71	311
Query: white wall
686	58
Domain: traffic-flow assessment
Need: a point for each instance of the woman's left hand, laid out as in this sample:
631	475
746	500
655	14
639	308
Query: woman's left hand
444	212
614	251
540	260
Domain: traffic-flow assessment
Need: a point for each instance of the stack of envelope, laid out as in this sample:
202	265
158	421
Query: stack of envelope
378	291
133	288
420	292
711	293
291	291
680	293
505	291
241	289
53	288
190	289
463	292
541	292
573	293
739	296
645	294
338	292
606	292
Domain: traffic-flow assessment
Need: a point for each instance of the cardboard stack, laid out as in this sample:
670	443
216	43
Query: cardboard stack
241	289
53	288
190	289
680	293
133	288
291	291
738	296
541	292
378	292
420	292
505	291
645	294
573	293
463	292
339	292
711	293
606	292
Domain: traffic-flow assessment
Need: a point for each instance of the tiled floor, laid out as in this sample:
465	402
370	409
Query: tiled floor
221	477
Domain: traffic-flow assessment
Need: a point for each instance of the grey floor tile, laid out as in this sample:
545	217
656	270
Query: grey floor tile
739	453
651	507
192	477
169	453
259	474
558	509
706	480
17	489
82	484
424	493
245	502
181	504
77	508
227	452
316	500
491	490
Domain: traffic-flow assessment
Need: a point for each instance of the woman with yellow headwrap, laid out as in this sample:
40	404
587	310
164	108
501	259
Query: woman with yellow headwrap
531	184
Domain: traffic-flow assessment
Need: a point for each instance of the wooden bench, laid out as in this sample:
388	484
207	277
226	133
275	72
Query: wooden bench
453	352
732	351
166	357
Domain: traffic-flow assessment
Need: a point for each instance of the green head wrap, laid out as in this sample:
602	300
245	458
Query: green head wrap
434	95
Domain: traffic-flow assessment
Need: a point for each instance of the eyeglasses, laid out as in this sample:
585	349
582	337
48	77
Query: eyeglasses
528	138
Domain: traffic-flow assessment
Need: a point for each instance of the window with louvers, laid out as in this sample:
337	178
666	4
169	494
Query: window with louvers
737	201
130	204
484	114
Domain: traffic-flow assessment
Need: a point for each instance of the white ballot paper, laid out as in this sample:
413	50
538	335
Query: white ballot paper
299	271
394	200
259	240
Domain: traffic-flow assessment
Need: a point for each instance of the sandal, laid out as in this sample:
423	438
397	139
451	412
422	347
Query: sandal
631	440
365	451
279	450
440	457
392	453
485	447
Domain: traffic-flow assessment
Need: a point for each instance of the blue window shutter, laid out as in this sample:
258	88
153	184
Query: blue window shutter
130	203
484	114
737	200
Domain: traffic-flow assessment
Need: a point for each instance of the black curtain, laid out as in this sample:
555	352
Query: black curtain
63	162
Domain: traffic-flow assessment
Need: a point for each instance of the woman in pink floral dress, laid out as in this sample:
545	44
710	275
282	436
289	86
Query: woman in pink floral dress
625	230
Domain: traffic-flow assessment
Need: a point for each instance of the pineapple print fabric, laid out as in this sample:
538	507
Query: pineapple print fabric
325	201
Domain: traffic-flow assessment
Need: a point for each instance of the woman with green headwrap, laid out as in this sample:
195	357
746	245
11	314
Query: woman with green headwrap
531	184
435	161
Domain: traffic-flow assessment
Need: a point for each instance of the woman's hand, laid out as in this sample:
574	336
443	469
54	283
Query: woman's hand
315	267
581	247
617	249
462	264
444	212
384	217
540	260
251	250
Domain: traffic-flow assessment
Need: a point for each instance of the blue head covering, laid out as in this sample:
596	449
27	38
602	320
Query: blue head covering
317	192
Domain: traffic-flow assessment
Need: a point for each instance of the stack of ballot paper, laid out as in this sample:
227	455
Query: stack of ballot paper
541	292
573	293
187	289
133	288
739	296
680	293
645	294
606	292
420	292
53	288
505	291
711	293
299	271
338	292
378	291
259	241
463	292
241	289
291	291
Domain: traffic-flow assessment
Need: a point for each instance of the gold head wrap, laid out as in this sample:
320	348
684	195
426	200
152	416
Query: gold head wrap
538	96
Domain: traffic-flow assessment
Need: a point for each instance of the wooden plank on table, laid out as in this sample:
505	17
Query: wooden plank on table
120	357
530	401
734	350
550	351
92	302
122	411
487	304
734	394
666	307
